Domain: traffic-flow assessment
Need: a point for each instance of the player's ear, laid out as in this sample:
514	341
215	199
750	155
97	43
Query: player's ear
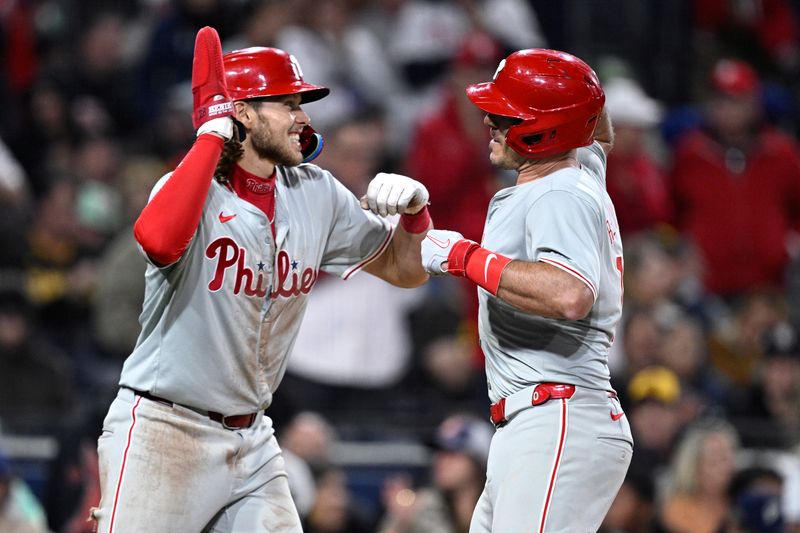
243	112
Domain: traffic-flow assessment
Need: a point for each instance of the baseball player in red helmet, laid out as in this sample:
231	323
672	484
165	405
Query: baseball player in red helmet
235	238
549	277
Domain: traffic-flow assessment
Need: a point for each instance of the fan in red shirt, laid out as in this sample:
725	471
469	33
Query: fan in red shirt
737	186
635	177
447	148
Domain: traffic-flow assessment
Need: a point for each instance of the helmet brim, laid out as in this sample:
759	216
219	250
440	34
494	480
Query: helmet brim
487	97
312	93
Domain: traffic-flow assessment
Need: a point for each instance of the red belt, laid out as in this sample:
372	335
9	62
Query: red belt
503	409
228	422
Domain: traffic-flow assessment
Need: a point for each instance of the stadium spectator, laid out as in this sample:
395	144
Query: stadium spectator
461	445
347	320
635	178
36	381
768	410
697	500
634	508
736	182
20	512
333	510
652	402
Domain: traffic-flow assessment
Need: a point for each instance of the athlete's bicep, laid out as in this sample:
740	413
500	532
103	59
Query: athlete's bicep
561	231
356	237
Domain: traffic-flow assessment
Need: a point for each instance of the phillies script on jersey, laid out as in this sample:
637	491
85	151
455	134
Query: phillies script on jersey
232	257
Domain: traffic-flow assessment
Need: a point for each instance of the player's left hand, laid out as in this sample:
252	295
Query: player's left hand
390	194
436	248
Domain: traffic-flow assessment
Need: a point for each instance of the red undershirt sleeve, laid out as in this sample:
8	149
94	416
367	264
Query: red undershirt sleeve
168	222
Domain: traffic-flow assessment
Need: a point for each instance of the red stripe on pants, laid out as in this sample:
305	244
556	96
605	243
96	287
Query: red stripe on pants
122	467
560	450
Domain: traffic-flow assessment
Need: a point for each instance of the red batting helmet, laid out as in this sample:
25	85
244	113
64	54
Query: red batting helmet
556	96
259	71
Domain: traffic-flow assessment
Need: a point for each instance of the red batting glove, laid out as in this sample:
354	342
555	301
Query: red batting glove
484	267
209	90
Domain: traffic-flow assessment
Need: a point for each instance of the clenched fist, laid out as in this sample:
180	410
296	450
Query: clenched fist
390	194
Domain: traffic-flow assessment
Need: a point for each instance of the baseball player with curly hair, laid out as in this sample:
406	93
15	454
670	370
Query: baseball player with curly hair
549	276
235	238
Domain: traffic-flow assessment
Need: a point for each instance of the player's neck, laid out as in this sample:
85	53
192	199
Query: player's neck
533	169
253	164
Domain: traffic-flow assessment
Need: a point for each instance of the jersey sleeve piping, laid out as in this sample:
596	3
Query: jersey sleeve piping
573	272
378	251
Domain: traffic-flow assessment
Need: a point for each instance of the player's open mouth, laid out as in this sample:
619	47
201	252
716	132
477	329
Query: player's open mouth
295	138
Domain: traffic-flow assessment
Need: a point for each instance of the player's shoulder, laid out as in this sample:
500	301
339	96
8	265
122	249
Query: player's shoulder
305	175
575	184
160	183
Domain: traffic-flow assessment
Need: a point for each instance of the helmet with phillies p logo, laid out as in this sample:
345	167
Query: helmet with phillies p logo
259	71
556	97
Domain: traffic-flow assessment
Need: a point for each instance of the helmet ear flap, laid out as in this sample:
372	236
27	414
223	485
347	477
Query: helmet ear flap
526	138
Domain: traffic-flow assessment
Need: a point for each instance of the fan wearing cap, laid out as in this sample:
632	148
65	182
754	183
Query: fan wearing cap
235	238
635	178
549	280
461	448
736	185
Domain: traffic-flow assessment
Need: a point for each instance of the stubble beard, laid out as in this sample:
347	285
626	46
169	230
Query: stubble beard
504	158
268	146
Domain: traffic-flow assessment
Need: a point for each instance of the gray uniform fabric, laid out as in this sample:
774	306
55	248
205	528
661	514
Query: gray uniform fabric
217	328
557	466
565	219
231	307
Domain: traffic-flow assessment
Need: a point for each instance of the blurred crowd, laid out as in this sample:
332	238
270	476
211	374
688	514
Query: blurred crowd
705	176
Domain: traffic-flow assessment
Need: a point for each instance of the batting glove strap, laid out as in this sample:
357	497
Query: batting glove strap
477	264
221	126
416	223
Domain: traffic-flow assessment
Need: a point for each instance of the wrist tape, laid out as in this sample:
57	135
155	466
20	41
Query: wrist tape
416	223
477	264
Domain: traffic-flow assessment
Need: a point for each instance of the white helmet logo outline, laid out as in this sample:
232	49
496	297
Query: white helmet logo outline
499	68
296	66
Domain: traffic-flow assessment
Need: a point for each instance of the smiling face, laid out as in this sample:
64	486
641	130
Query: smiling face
501	155
273	127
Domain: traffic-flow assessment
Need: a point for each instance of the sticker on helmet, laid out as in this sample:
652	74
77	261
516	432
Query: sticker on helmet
499	68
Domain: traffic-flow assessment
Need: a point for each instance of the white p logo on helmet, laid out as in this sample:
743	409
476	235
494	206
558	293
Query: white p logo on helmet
296	66
499	68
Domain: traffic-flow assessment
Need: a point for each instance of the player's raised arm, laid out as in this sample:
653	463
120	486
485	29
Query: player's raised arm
604	132
166	225
390	194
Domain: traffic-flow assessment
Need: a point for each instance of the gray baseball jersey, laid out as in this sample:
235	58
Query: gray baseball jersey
219	324
558	465
567	220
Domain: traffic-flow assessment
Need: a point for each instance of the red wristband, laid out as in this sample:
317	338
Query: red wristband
485	267
416	223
